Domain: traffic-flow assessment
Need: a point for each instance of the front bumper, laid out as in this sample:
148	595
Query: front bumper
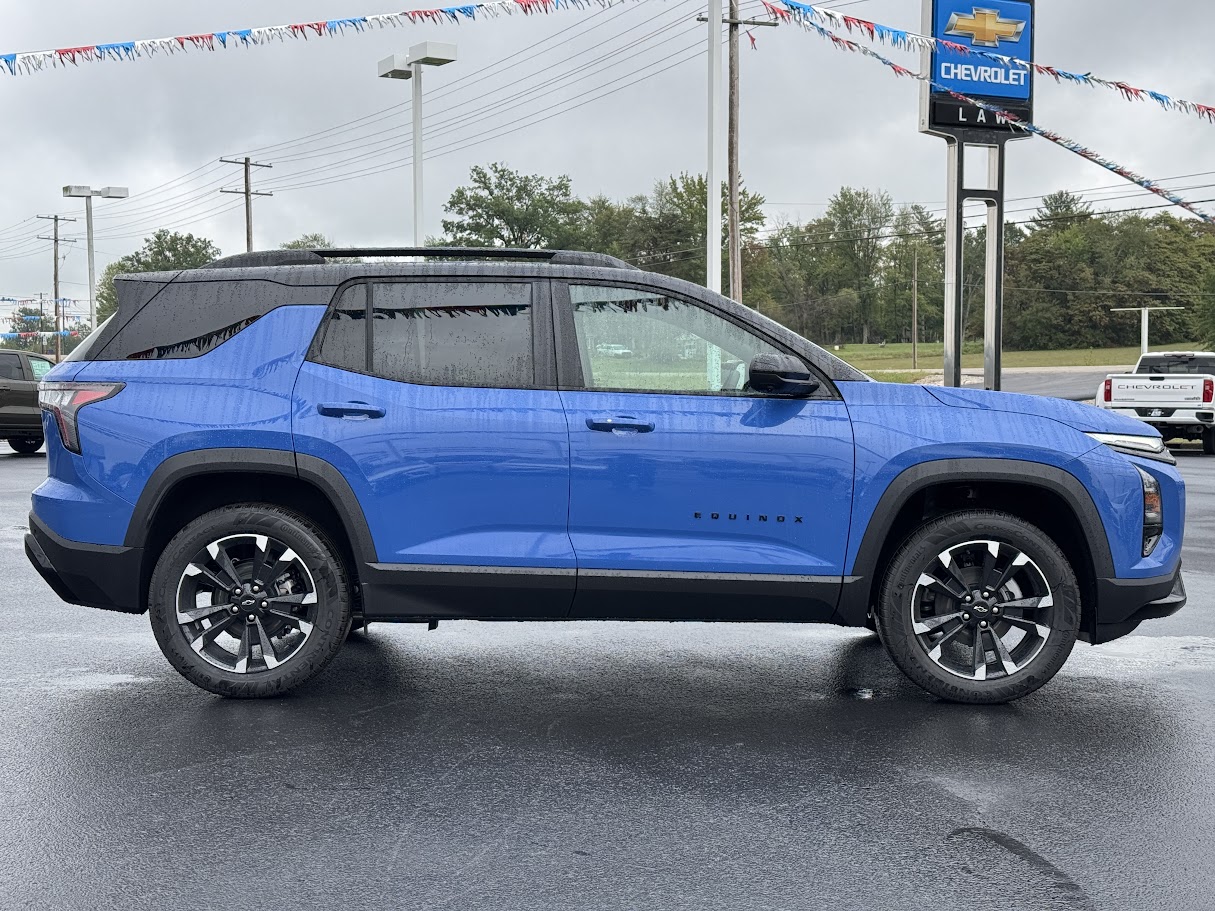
1122	604
92	575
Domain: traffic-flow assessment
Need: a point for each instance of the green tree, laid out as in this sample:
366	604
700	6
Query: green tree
30	319
860	221
316	241
671	223
1060	210
164	251
501	207
1205	318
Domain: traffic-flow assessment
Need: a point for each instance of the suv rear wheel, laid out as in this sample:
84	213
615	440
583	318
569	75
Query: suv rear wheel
250	601
979	607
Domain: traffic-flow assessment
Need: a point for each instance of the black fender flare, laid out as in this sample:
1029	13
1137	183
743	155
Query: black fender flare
317	472
857	589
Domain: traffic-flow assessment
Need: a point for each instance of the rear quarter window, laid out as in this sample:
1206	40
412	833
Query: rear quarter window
190	318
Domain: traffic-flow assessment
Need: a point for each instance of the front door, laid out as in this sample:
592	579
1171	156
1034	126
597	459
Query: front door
691	496
436	400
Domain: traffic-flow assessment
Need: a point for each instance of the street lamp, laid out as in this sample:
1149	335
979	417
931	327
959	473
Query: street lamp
399	66
88	193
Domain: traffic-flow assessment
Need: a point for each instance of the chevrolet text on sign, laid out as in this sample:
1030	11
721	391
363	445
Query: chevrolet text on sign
994	26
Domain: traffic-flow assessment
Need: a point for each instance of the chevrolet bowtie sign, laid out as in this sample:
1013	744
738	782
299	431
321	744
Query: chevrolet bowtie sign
1003	27
985	27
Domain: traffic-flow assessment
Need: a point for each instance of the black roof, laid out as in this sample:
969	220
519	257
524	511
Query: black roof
319	257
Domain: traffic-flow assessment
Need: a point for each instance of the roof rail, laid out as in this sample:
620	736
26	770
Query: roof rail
318	257
556	257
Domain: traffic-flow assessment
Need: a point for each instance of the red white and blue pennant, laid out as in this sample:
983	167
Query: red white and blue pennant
36	61
805	14
845	44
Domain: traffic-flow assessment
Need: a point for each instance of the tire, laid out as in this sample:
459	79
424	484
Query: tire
930	630
26	445
1208	441
301	604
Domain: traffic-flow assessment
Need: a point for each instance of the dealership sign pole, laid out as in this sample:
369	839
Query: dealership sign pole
996	27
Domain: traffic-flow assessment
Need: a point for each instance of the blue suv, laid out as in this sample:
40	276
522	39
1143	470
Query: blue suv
269	451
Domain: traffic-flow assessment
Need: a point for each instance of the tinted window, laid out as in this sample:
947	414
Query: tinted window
190	318
84	351
344	344
1177	365
435	333
645	341
40	366
10	367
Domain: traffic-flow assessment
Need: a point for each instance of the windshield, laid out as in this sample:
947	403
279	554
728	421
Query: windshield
1177	363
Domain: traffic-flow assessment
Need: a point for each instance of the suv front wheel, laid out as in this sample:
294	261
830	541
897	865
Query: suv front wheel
979	607
249	601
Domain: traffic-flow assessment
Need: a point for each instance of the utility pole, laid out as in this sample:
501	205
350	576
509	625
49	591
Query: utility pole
248	192
58	312
1143	324
735	242
712	182
915	309
734	239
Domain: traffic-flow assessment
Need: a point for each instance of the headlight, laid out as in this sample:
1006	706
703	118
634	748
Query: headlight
1153	512
1132	444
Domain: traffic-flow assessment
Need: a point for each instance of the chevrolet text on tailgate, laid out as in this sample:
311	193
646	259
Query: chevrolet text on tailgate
269	451
1173	391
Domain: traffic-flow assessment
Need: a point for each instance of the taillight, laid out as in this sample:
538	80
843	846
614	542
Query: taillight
1208	391
64	400
1109	390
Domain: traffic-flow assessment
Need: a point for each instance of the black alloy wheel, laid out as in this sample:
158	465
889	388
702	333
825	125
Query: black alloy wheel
979	607
250	601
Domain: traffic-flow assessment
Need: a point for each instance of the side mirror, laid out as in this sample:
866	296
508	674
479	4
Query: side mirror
781	375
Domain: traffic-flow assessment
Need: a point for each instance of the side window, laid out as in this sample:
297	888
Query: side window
453	333
344	344
434	333
644	341
40	366
191	318
10	367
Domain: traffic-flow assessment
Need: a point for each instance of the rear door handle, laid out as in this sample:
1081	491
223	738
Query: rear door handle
350	410
621	423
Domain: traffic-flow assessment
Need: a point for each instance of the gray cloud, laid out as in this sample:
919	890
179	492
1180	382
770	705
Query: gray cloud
813	118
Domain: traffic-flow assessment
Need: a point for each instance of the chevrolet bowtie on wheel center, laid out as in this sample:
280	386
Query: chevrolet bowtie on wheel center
271	450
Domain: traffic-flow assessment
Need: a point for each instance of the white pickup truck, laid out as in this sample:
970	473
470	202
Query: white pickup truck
1174	391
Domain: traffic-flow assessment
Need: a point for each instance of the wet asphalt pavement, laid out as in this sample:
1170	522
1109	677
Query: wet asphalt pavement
599	766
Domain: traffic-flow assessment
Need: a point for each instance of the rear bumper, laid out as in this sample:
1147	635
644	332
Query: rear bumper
92	575
1201	417
1122	604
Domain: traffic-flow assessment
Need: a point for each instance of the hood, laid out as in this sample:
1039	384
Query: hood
1085	418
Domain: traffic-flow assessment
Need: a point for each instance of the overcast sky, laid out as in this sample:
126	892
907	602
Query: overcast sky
523	92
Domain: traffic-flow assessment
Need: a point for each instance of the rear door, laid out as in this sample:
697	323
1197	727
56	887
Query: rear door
692	497
18	393
436	399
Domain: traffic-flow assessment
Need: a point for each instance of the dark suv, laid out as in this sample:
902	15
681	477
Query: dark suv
268	450
20	417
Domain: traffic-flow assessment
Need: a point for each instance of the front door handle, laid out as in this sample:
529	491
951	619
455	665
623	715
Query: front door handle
621	423
350	410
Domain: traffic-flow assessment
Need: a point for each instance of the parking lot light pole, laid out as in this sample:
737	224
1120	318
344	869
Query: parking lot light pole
1143	321
76	190
399	66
